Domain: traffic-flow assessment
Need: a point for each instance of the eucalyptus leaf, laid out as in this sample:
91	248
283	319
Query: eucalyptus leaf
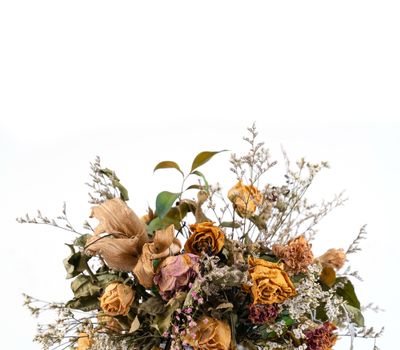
152	306
163	321
168	164
202	158
164	202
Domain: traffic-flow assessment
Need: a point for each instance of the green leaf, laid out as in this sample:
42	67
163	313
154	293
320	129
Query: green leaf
195	187
82	286
75	264
84	303
174	216
163	321
116	183
168	164
81	240
348	293
355	315
198	173
164	202
202	158
231	224
152	306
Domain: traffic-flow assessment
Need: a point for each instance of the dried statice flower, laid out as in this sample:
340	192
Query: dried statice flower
262	313
296	255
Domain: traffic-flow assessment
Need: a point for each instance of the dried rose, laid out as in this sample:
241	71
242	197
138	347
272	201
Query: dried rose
117	299
209	333
245	199
165	244
322	337
334	258
270	283
206	238
84	341
296	255
175	273
119	253
119	220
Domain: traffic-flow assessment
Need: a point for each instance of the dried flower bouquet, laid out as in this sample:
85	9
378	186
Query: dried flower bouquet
210	272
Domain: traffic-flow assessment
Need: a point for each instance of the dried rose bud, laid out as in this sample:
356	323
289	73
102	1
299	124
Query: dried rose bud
84	341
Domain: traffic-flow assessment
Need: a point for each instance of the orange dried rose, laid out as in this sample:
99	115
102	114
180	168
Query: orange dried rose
271	284
209	333
206	238
333	258
108	323
296	255
84	341
117	299
165	244
245	199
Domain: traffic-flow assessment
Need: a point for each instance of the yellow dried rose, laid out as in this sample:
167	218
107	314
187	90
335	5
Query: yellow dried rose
245	199
271	284
117	299
206	238
84	341
333	258
209	333
165	244
108	323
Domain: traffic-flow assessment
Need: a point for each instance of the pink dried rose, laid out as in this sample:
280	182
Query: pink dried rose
175	273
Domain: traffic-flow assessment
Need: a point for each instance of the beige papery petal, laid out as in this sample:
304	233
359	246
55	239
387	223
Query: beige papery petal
118	219
164	244
119	253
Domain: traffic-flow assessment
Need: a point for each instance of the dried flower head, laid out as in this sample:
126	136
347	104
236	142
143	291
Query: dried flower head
164	244
175	273
119	220
270	283
209	333
245	199
322	337
334	258
296	255
263	313
206	238
117	299
84	341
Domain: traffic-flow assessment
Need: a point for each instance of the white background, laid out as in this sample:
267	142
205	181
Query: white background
141	82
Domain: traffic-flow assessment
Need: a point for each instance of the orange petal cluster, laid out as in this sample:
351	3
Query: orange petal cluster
271	284
117	299
206	238
210	333
245	199
296	254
